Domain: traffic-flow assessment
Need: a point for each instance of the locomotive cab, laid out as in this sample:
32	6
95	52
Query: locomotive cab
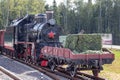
20	33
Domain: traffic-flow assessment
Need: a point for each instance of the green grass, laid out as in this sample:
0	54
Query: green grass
117	53
115	66
112	71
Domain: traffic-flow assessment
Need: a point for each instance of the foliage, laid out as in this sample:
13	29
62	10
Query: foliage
73	15
12	9
101	17
83	42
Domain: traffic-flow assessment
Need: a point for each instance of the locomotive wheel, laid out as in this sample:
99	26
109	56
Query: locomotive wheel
52	65
73	70
95	72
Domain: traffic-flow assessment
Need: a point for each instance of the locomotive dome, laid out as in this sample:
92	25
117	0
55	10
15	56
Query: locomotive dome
52	21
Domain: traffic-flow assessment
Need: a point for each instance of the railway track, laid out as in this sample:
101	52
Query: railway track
90	76
80	75
58	72
21	70
53	74
8	73
49	73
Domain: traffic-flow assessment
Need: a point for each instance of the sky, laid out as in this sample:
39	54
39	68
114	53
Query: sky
50	2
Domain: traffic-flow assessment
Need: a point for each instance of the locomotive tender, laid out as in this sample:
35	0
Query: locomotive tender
36	40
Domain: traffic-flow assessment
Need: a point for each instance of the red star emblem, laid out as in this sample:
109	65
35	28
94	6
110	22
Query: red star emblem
51	34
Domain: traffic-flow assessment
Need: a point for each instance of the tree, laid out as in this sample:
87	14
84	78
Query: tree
12	9
73	15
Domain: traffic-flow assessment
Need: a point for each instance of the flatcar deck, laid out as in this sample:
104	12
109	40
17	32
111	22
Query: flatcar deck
68	54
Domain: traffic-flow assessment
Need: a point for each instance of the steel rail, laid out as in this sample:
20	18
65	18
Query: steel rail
13	76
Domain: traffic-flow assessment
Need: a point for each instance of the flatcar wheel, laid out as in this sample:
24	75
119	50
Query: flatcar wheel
95	72
73	71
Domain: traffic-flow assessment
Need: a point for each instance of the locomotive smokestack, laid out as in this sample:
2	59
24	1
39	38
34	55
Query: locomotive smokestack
49	14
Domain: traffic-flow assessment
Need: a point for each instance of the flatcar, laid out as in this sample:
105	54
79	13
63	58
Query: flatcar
36	40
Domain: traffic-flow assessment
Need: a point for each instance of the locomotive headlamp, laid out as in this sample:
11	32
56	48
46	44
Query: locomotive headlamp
52	21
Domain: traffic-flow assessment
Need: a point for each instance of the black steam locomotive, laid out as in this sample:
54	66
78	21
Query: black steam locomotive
33	32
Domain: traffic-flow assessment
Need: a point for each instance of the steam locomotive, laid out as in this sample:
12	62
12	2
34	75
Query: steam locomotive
33	32
36	40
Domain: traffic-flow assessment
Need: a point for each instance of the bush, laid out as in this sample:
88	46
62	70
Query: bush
83	42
